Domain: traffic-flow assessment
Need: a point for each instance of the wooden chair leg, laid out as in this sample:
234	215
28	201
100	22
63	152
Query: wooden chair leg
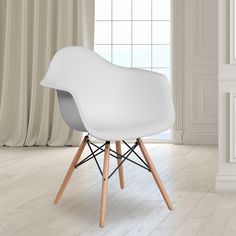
155	174
120	169
104	184
71	170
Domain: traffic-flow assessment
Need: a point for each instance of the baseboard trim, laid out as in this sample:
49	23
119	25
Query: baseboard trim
177	136
225	183
200	138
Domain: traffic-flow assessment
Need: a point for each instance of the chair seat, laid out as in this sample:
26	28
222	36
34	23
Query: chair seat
128	131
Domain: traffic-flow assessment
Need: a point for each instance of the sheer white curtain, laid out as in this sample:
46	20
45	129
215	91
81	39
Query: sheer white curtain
31	31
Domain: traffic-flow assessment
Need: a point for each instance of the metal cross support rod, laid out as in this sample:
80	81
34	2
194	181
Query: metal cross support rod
113	153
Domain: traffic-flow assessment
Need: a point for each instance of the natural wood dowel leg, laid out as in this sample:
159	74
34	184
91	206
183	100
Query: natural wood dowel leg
71	170
104	184
120	169
155	174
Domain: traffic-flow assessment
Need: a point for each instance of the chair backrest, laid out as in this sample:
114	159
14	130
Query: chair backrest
74	67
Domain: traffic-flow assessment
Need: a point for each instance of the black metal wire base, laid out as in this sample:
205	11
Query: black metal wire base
113	153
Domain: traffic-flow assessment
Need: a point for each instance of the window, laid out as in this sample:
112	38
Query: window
134	33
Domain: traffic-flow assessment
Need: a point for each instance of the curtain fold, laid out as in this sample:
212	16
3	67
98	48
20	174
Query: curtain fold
31	31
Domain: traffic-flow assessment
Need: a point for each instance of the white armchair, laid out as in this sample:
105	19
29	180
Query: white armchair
110	103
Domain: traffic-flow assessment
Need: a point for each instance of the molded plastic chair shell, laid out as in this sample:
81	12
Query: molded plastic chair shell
108	101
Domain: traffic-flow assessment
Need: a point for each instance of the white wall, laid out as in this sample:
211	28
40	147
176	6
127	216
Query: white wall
195	70
226	179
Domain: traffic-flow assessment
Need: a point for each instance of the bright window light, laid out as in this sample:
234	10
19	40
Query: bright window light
135	33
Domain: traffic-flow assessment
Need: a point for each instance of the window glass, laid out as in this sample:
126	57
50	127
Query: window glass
121	9
122	55
161	32
161	9
141	55
121	31
103	10
141	10
161	56
141	32
103	32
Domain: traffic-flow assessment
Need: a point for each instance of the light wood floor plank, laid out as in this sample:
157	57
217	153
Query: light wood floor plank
30	178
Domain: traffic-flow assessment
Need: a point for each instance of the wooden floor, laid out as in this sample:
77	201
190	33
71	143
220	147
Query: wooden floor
30	178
